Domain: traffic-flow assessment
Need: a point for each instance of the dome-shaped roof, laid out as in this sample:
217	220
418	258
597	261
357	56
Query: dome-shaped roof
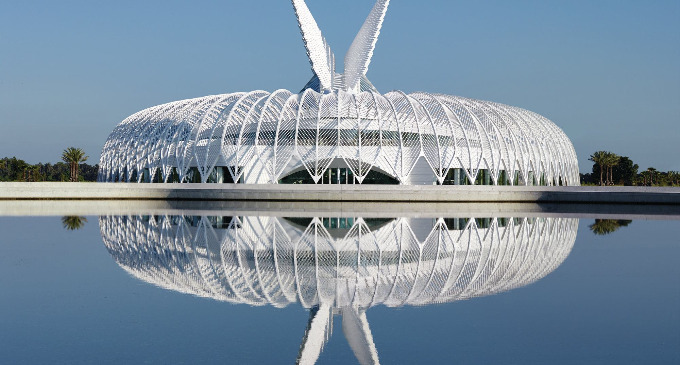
261	136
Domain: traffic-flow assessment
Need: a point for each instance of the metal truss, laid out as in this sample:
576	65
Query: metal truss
339	120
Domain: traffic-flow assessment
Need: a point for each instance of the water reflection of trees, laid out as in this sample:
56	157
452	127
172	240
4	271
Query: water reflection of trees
607	226
73	222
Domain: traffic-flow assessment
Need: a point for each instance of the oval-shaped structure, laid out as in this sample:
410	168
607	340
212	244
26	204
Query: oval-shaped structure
339	130
339	137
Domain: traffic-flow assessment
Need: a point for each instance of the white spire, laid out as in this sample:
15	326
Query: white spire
359	55
320	55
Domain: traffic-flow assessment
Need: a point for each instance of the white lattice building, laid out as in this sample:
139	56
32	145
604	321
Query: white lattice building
339	129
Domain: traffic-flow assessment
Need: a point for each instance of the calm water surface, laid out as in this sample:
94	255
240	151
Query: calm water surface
258	290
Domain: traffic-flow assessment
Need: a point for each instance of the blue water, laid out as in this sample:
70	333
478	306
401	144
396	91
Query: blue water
65	300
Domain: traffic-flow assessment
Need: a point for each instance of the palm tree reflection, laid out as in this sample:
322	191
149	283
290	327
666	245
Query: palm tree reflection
606	226
73	222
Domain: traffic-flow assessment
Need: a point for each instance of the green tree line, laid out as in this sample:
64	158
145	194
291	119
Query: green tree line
612	169
73	168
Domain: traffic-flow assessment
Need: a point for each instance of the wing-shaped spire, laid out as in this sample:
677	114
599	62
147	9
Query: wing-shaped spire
359	55
320	55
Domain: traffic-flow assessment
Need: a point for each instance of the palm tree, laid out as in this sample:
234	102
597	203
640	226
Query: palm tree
599	158
612	160
73	222
73	156
673	177
652	172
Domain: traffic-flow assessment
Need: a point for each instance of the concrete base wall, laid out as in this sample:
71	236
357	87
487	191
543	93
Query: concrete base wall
340	193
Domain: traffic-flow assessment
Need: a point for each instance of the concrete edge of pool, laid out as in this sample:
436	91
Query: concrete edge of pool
341	193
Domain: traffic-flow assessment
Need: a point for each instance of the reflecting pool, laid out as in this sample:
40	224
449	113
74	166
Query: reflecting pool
177	287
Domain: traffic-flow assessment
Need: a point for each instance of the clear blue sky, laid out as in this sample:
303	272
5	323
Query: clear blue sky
607	72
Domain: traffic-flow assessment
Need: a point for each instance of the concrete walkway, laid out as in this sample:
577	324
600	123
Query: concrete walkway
340	193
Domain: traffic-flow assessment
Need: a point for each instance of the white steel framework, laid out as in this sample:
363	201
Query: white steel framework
339	121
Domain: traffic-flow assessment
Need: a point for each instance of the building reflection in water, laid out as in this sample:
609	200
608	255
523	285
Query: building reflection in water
338	266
